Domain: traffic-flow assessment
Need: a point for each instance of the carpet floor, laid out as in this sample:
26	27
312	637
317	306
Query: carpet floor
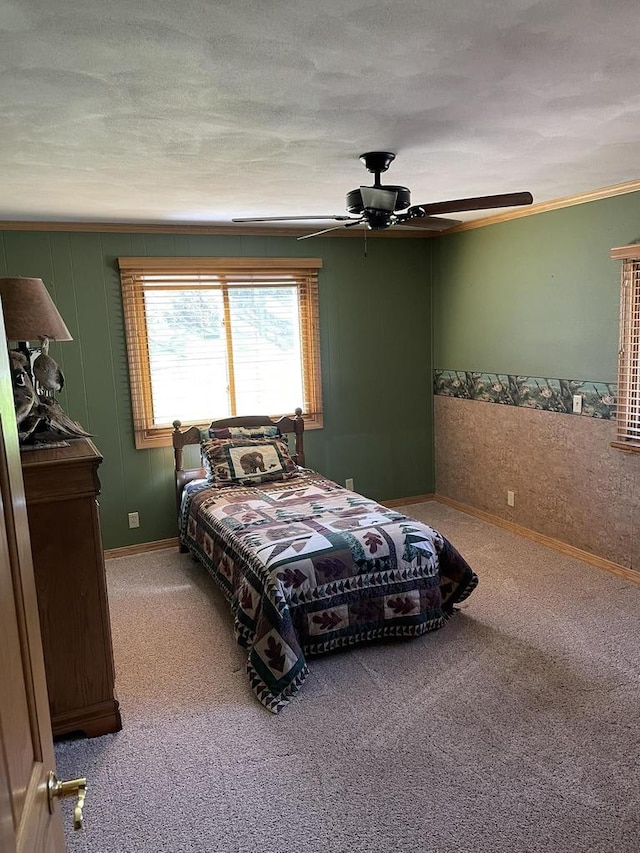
514	728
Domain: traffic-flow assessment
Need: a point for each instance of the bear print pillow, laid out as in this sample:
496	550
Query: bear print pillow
246	460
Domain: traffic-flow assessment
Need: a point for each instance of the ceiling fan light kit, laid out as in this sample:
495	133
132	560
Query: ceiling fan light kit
385	205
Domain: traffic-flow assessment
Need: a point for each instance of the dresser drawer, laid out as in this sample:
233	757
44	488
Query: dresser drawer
55	481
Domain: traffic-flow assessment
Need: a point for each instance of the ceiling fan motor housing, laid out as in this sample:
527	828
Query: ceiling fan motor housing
403	200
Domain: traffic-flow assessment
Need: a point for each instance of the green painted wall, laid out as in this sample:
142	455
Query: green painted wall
375	319
537	296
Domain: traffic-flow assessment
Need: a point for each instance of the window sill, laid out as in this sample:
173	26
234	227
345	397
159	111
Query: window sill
626	446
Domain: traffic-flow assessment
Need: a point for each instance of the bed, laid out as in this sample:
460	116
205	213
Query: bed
306	565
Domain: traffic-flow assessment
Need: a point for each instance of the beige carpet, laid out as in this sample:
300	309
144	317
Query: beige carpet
514	728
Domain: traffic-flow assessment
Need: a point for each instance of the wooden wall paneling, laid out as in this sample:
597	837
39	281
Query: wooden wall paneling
180	245
93	330
358	348
411	444
214	245
87	254
29	255
73	398
138	246
59	264
135	466
410	360
162	503
143	489
4	270
149	478
261	247
349	351
158	245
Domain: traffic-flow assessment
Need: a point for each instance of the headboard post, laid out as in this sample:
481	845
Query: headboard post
179	439
299	430
177	445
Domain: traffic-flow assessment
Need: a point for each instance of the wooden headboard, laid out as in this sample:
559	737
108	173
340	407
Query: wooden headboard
192	435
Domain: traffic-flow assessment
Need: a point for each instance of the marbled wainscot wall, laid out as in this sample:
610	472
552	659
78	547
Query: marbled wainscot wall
569	483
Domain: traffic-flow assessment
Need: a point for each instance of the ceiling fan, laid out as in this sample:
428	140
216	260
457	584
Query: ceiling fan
386	205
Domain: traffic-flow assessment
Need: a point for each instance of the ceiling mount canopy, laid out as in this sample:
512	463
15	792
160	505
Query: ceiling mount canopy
377	162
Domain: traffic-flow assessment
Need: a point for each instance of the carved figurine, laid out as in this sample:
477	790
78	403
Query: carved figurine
46	372
24	394
40	417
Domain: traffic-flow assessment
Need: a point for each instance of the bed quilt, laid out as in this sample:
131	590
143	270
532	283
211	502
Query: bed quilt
309	567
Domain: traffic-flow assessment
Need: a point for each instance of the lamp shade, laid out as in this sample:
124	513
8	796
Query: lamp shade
29	312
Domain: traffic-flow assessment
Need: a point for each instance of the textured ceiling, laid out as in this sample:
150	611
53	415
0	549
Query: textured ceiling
175	111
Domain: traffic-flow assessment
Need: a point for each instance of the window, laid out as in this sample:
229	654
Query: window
210	338
628	408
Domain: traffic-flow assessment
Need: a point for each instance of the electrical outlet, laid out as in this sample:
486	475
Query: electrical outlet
134	519
349	483
511	498
577	404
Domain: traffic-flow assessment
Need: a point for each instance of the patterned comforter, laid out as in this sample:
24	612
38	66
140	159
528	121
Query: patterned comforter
309	567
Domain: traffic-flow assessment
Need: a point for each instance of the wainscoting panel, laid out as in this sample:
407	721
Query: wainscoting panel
568	482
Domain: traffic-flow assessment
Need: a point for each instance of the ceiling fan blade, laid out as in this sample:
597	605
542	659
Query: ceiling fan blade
334	228
429	223
485	202
376	198
340	218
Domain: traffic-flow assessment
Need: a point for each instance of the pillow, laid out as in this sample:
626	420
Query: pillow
244	461
262	431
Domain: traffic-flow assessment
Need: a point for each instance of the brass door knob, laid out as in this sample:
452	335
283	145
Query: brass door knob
75	787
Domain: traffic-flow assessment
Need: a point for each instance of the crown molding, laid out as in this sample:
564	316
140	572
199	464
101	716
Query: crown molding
349	233
211	230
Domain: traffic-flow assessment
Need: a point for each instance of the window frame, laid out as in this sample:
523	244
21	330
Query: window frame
628	392
132	277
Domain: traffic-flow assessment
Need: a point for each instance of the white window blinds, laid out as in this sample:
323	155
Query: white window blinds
628	406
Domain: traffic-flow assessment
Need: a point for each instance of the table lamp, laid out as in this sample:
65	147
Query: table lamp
29	315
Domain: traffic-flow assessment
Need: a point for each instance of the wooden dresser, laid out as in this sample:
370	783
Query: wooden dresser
61	486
